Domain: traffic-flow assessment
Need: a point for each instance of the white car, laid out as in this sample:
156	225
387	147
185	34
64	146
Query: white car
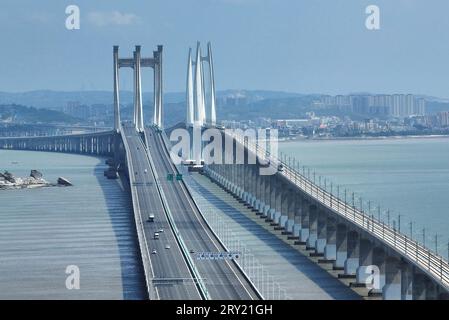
167	246
161	230
145	170
154	251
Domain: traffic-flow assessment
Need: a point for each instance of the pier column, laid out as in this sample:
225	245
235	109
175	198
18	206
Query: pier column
255	185
279	198
320	243
379	258
392	288
259	189
365	262
313	227
297	217
342	247
267	196
352	262
273	196
291	211
304	233
406	281
260	192
330	250
285	206
419	286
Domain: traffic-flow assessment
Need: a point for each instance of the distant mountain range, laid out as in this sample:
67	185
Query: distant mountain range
12	113
59	99
231	104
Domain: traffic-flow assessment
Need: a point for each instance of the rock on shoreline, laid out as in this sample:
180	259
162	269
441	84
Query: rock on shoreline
35	180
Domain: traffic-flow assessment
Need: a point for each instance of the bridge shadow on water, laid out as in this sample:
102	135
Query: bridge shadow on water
330	285
119	206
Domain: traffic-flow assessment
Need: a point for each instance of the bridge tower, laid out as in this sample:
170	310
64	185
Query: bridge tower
116	90
200	104
199	101
189	92
211	116
158	87
137	62
138	110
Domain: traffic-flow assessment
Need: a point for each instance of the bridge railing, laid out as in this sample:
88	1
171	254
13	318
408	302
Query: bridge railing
426	259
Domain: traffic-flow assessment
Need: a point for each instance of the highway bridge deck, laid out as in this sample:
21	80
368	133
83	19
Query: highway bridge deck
222	277
171	276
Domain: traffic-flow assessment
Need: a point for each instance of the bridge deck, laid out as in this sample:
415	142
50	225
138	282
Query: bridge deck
166	264
222	278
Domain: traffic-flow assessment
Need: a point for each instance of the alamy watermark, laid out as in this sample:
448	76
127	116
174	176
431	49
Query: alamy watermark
72	282
72	22
215	146
372	22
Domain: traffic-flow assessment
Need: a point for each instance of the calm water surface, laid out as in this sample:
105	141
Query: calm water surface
90	225
409	176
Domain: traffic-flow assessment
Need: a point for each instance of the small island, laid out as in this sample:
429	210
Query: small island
35	180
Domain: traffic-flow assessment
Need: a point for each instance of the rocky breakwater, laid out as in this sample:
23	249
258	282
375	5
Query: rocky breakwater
35	180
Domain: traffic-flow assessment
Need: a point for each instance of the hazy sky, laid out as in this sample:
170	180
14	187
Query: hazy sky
309	46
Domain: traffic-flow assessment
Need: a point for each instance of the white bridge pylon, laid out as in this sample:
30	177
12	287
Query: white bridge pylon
136	63
201	108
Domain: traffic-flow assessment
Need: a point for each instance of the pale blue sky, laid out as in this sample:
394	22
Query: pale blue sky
309	46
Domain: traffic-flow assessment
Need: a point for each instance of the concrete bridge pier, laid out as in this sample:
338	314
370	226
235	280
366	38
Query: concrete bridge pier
392	289
365	262
255	187
246	177
406	281
330	250
305	223
278	202
320	242
297	217
341	246
291	202
285	207
379	258
273	196
258	189
313	227
352	261
262	193
267	196
419	287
